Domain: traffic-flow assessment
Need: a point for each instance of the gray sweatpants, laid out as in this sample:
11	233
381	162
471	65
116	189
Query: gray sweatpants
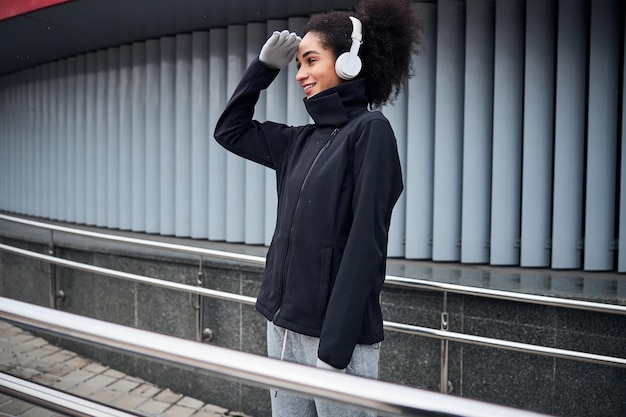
303	349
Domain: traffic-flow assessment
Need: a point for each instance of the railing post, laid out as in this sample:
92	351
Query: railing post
443	383
200	304
53	274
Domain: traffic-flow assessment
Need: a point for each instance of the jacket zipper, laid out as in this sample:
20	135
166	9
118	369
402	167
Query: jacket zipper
293	217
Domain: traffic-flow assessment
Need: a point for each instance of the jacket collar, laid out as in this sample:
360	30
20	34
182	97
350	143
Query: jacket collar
335	106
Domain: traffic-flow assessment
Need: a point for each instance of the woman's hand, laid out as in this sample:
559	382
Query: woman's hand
279	49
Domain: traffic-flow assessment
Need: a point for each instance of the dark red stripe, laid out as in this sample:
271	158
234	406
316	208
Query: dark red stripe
11	8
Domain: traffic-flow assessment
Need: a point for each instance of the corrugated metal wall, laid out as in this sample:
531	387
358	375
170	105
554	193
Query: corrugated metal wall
510	135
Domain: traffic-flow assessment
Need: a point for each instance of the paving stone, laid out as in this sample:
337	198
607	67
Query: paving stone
153	407
94	367
24	373
77	362
59	370
178	411
100	380
82	390
134	379
129	401
28	345
40	412
45	379
60	356
113	373
33	358
207	414
146	390
40	352
190	402
168	396
123	385
14	407
105	395
73	378
211	408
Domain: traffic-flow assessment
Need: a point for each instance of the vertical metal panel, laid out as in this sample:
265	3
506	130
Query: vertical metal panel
26	143
182	185
396	113
125	106
4	143
296	112
166	137
569	134
602	135
235	165
35	140
421	139
113	138
477	131
80	131
138	137
69	166
538	133
153	137
217	154
276	111
17	134
21	136
621	267
91	126
53	144
11	144
46	147
507	132
448	131
255	173
200	135
62	140
15	144
101	140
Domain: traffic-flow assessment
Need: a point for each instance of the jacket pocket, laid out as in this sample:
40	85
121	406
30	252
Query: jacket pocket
326	260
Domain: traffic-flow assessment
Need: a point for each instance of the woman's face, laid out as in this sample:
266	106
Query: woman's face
316	66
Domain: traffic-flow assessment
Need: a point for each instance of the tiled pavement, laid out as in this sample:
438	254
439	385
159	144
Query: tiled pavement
32	358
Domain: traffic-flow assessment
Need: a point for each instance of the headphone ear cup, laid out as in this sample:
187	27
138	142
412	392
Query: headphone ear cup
348	66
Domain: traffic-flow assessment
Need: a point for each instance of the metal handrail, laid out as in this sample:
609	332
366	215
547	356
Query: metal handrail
130	277
56	400
347	389
191	250
389	279
399	327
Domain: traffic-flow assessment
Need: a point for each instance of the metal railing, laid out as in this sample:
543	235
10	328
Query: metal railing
56	400
353	391
443	333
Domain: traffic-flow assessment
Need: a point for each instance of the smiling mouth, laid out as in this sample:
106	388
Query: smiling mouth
307	88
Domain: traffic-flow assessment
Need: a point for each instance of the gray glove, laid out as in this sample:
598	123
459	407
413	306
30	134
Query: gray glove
279	49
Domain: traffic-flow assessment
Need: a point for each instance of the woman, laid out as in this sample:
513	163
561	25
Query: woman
338	180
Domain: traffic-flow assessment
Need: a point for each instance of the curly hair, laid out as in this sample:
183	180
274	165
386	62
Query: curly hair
390	37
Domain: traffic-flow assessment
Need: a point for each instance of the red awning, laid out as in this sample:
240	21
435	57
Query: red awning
11	8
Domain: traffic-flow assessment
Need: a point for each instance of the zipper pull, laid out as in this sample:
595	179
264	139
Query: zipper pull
332	136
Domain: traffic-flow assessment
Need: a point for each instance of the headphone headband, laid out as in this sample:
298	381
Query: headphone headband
348	65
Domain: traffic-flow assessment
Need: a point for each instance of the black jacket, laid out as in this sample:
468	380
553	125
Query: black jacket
337	180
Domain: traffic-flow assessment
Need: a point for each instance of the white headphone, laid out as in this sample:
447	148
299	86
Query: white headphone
348	65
